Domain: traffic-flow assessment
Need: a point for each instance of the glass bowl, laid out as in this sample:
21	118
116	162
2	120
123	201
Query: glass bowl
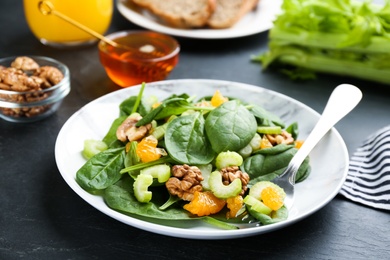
21	103
151	57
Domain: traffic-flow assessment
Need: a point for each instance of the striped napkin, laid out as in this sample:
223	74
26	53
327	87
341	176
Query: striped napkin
368	180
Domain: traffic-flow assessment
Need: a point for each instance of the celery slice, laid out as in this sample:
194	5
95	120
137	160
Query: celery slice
206	171
161	172
257	205
92	147
221	190
141	186
228	158
257	188
246	151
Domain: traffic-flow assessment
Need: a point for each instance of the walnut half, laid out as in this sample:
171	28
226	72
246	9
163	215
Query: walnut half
25	75
231	173
283	138
128	131
50	75
25	63
185	181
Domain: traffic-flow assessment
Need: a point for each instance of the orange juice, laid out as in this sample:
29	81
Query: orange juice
52	30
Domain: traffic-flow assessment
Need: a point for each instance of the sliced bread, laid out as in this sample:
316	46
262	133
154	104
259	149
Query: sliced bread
180	13
228	12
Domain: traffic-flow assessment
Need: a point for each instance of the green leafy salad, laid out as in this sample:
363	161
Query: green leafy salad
184	158
343	37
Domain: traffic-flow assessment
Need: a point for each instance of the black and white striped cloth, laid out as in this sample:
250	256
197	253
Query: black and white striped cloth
368	180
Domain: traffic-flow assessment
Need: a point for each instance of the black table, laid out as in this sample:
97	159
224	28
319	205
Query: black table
42	218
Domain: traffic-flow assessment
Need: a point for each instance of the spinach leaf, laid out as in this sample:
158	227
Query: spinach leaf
120	196
253	165
146	105
275	149
265	117
303	173
173	106
134	104
276	216
102	170
172	200
208	98
293	130
132	158
127	105
183	96
110	138
230	127
266	167
142	165
186	142
130	104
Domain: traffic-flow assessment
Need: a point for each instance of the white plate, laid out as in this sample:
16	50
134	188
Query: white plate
329	160
257	21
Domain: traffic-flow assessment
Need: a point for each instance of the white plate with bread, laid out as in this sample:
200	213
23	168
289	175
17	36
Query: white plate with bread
202	19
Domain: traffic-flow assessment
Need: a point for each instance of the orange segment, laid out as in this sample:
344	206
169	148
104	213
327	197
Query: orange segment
298	144
155	105
265	143
234	204
218	99
272	198
204	204
127	147
147	149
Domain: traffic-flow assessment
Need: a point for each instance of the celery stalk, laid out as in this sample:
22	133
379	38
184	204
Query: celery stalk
343	37
327	41
323	63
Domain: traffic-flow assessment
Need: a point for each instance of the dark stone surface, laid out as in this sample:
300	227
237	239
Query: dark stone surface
42	218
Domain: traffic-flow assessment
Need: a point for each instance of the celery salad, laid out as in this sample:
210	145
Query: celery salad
344	37
186	157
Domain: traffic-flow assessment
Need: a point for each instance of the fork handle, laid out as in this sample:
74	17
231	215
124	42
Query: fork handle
342	100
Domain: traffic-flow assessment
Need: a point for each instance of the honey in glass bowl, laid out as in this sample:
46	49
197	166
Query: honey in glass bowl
151	58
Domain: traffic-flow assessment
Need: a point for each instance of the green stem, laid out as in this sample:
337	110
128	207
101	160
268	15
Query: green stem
337	66
139	97
140	166
218	223
331	41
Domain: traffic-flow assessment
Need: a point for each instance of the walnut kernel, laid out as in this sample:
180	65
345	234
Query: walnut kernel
231	173
283	138
185	181
129	131
18	78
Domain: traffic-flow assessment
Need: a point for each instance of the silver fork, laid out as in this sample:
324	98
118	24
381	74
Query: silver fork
342	100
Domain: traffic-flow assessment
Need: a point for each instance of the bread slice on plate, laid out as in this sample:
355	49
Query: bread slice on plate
180	13
228	12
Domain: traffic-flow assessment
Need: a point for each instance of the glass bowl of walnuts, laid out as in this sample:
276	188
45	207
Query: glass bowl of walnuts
31	87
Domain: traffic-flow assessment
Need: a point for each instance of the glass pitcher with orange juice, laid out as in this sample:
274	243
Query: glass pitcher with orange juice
53	31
